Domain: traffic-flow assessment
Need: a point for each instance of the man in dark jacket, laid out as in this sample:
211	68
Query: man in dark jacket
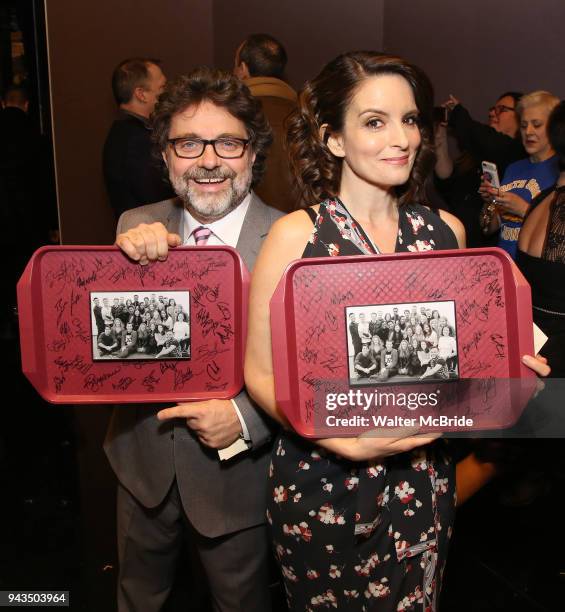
132	174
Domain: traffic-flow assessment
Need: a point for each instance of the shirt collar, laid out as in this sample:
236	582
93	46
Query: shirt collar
226	229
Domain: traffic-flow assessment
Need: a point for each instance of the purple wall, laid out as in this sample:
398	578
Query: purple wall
471	49
86	41
313	31
479	49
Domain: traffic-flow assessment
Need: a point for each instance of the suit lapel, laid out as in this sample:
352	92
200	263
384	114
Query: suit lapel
255	227
175	220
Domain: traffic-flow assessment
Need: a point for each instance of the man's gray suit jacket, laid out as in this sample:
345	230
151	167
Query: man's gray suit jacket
219	497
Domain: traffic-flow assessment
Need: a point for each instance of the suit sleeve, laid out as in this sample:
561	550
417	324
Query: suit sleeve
260	426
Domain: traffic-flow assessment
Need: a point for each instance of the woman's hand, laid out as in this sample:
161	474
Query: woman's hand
488	193
371	445
538	364
508	202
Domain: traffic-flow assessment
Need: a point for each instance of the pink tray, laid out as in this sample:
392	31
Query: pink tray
59	355
491	303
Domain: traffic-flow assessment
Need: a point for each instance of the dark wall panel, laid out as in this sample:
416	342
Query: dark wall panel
86	41
313	31
479	49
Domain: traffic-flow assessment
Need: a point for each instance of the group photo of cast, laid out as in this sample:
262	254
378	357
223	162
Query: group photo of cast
402	342
128	325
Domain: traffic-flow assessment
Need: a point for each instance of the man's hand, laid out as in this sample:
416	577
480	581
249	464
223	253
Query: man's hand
146	243
215	422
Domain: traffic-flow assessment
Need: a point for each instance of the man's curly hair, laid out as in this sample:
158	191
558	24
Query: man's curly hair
222	89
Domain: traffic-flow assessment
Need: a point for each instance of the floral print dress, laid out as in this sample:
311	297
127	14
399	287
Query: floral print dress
362	536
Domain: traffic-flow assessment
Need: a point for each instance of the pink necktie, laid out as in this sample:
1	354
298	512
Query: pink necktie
201	235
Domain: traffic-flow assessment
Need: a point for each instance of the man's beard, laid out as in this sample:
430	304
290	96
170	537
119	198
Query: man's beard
212	206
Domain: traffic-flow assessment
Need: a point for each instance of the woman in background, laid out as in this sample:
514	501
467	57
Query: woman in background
541	254
525	179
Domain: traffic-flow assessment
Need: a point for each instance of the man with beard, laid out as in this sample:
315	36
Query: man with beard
172	483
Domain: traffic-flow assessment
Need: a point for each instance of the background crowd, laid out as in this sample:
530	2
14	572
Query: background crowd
515	133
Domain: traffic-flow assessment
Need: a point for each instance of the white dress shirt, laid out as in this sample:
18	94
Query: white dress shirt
224	231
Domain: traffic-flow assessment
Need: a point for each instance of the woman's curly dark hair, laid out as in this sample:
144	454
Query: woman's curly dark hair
224	90
325	99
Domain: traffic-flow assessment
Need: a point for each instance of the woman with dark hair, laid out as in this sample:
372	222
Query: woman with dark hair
414	365
160	337
423	354
360	144
396	335
151	342
430	336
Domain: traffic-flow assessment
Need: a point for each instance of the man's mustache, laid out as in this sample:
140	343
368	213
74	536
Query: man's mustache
204	173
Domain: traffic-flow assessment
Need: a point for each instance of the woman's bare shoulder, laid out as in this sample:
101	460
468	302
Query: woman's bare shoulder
294	226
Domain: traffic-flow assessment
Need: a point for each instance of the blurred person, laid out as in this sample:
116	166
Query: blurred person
128	341
364	364
525	179
260	62
170	348
389	361
541	253
107	342
181	331
27	195
447	347
132	174
436	367
458	180
354	333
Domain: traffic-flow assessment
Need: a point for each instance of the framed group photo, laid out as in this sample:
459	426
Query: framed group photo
136	325
402	343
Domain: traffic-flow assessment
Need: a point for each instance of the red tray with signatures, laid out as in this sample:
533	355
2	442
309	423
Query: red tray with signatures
96	327
331	323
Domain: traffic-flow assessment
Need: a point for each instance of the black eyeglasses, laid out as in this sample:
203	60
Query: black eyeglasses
501	108
225	147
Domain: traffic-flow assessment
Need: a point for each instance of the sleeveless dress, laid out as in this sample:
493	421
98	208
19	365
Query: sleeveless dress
362	536
546	275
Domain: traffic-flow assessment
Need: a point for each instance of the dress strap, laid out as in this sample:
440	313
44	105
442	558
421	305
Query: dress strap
312	214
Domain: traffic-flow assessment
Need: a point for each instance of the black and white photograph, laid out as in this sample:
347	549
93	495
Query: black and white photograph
400	343
129	325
